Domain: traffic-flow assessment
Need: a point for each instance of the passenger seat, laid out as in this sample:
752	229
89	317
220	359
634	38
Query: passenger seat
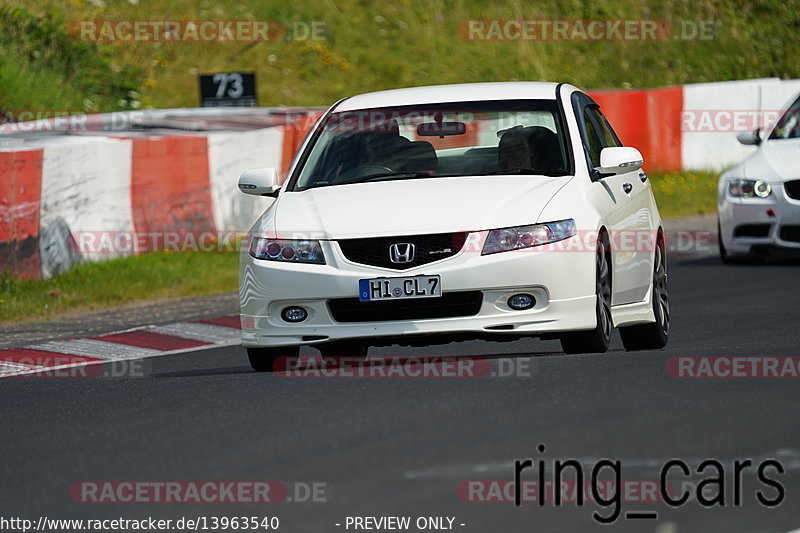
416	156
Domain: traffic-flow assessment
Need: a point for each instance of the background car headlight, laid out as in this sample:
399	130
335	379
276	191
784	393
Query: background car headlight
742	188
503	240
287	251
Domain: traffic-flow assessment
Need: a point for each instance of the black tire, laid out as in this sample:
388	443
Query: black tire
343	349
656	335
597	339
263	359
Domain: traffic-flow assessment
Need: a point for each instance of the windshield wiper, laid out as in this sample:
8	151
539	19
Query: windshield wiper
552	173
383	176
388	175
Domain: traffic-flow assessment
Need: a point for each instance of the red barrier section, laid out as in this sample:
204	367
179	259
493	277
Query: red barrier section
288	149
293	135
627	113
649	120
170	186
20	191
665	107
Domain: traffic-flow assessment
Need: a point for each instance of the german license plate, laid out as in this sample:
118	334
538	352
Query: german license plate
370	290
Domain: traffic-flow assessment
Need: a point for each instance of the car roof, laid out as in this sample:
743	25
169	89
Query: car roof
463	92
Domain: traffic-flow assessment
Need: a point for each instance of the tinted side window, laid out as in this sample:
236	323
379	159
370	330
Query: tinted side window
592	140
608	137
789	125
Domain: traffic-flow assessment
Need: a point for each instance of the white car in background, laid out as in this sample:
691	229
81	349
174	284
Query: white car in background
758	200
477	211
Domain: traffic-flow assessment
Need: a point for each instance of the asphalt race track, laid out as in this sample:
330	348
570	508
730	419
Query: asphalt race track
402	446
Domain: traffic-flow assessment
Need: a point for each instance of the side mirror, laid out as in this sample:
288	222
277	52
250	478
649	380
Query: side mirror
750	138
619	160
259	182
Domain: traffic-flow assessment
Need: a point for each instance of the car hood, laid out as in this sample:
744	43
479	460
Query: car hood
414	206
776	160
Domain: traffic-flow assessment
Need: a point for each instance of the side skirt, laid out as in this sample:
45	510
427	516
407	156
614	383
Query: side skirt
635	313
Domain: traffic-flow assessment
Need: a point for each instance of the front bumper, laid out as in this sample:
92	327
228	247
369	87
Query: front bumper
747	224
563	283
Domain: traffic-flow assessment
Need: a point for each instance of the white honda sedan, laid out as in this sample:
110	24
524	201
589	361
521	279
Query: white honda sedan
432	214
758	200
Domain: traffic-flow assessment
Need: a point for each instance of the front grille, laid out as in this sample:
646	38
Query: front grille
790	233
792	189
374	251
751	230
449	304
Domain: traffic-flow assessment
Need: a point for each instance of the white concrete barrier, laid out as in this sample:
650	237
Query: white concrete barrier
85	190
713	113
229	154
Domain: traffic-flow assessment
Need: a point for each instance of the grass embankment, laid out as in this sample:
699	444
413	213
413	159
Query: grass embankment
44	70
91	286
371	45
158	276
681	194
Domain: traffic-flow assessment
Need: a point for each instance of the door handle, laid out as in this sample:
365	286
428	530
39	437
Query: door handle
643	176
627	187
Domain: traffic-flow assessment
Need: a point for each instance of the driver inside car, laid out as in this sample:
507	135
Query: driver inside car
514	150
383	144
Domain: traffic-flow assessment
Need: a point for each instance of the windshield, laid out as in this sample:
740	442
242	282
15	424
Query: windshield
789	125
437	140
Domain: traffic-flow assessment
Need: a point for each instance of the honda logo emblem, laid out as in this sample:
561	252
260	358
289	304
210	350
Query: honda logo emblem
401	253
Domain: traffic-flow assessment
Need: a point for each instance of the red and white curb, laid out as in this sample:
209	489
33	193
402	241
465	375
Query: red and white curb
149	341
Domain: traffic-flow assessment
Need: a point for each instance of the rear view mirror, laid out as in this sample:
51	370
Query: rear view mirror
619	160
752	138
259	182
441	129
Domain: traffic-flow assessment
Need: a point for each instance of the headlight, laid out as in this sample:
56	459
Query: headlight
287	251
503	240
741	188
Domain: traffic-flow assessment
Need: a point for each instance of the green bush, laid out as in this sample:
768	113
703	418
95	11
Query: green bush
42	68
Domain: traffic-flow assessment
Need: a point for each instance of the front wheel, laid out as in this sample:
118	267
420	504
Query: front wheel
263	359
597	339
652	336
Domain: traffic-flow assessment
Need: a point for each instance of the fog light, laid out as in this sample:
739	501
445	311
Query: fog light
520	302
294	314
